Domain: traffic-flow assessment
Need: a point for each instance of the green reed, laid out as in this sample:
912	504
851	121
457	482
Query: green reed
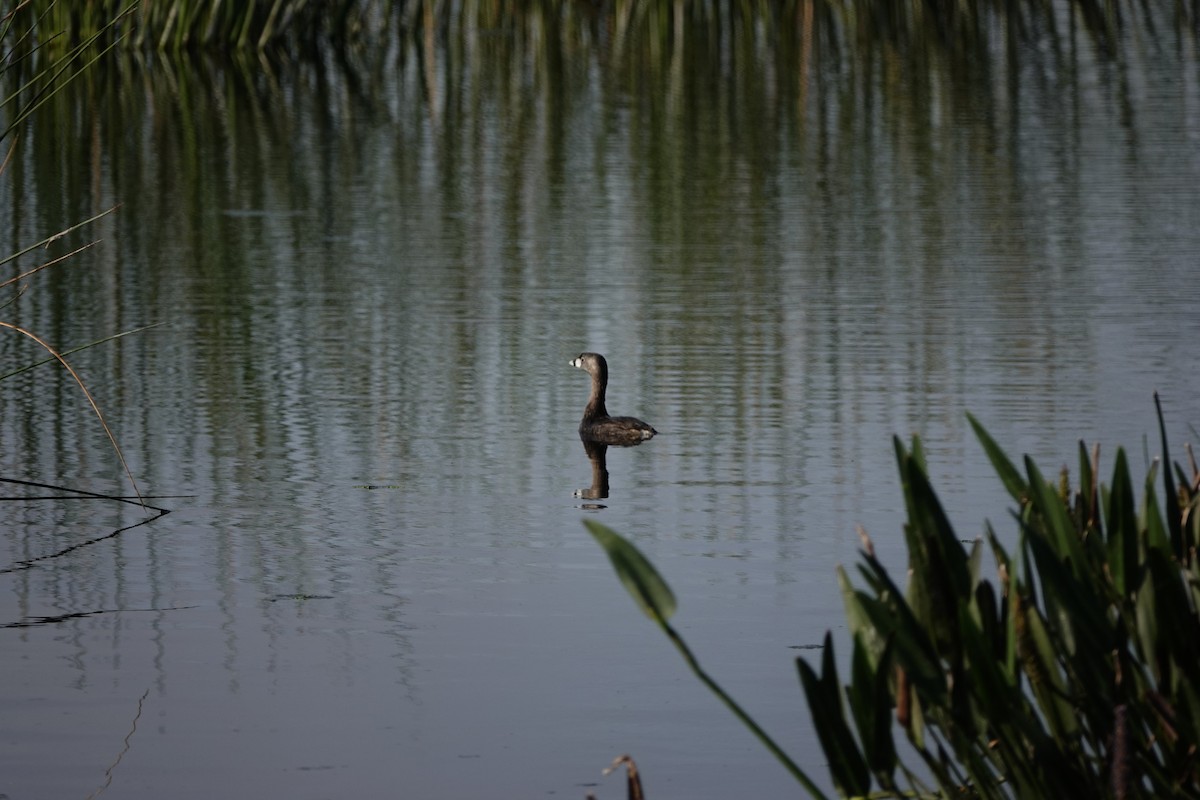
1074	672
216	24
951	25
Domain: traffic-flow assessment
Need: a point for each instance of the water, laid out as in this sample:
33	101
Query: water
373	580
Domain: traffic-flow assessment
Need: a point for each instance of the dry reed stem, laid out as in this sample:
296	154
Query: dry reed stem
91	401
55	237
49	263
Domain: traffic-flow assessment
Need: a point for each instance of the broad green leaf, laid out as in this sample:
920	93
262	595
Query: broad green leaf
1151	520
1055	525
988	616
1172	499
871	704
1178	640
918	454
1008	473
1121	522
1087	483
1046	679
640	577
857	620
1147	631
913	650
1003	708
846	764
937	561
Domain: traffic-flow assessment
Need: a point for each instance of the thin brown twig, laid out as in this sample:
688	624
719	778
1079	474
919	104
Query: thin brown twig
49	263
55	237
12	148
16	296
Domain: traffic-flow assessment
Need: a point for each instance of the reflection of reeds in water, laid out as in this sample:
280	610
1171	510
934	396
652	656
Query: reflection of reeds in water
26	84
655	24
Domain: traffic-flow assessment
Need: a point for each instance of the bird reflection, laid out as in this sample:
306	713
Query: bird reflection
597	453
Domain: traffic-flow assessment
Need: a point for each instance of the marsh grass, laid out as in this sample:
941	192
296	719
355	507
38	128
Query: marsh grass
945	25
216	24
39	78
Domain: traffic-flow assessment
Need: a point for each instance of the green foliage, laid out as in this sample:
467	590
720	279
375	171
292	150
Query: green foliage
919	29
176	24
1074	673
28	81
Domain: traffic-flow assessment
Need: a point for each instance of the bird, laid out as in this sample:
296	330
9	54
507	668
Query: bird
597	425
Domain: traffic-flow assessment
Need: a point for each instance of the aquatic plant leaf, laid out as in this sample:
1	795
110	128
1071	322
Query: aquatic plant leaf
1055	526
1046	678
858	621
1086	502
1121	521
917	451
1146	631
1151	520
1177	645
990	687
913	648
1171	497
871	705
938	564
639	576
1009	475
847	766
989	617
1082	634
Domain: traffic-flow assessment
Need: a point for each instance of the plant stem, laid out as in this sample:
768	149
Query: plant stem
767	741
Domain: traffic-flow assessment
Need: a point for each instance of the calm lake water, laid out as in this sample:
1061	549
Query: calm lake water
369	274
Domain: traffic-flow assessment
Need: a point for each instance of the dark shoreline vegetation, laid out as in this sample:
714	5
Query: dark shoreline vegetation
812	73
945	25
1074	674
